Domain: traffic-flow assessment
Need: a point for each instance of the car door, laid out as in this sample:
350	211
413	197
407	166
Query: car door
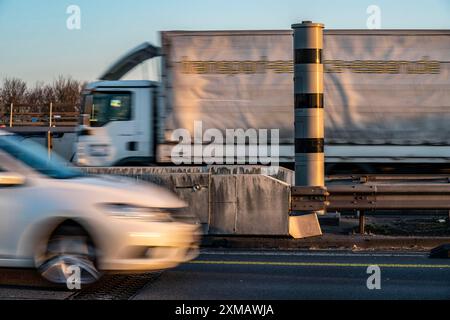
11	208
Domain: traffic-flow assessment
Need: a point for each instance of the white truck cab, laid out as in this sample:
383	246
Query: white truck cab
114	131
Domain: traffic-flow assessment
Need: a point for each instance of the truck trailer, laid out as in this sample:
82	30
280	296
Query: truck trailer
386	99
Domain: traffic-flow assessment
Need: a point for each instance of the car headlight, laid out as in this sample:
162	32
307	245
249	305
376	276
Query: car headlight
135	212
99	150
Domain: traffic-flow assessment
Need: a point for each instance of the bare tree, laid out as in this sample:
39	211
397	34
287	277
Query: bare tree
35	95
14	91
67	90
64	93
48	94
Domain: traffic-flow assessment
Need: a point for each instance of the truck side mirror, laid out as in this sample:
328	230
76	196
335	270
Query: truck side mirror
85	117
11	179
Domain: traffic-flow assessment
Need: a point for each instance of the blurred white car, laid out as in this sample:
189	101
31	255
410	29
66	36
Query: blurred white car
52	216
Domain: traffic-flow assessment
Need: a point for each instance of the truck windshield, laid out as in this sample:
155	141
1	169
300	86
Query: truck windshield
36	157
104	107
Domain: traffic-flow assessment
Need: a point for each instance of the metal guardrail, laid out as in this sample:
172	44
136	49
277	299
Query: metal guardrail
57	132
369	194
62	115
380	193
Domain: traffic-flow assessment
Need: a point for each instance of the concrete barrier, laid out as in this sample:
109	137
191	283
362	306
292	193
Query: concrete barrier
228	200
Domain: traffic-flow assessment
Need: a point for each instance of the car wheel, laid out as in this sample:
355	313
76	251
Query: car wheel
70	257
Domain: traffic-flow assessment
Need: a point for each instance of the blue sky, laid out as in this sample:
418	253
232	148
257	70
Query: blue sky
35	44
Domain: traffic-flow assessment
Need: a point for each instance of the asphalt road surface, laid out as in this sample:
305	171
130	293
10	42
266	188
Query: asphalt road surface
262	275
303	275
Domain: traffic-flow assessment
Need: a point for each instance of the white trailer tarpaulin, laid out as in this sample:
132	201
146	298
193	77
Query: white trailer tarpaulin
381	87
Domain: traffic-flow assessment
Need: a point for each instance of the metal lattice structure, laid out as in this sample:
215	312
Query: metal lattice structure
26	115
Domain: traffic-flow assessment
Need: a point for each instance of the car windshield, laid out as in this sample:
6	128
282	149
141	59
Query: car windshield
35	156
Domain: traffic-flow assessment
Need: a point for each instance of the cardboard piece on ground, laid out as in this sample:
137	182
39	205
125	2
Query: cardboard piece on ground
304	226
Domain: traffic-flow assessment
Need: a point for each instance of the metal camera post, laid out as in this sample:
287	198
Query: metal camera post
309	121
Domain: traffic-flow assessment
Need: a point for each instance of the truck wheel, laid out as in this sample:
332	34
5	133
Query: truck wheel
70	258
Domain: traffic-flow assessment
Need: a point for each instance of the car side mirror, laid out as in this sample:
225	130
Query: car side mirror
11	179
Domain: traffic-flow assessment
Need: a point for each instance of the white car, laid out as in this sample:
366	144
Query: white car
53	216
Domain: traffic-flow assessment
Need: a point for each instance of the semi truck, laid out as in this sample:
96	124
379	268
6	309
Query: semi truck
386	99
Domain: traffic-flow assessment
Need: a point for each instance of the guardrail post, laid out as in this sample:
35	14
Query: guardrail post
11	115
362	222
309	120
49	133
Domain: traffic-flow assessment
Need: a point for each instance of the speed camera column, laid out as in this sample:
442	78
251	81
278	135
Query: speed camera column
309	122
309	112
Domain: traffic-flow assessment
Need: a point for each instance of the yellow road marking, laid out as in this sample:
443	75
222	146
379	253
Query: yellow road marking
321	264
